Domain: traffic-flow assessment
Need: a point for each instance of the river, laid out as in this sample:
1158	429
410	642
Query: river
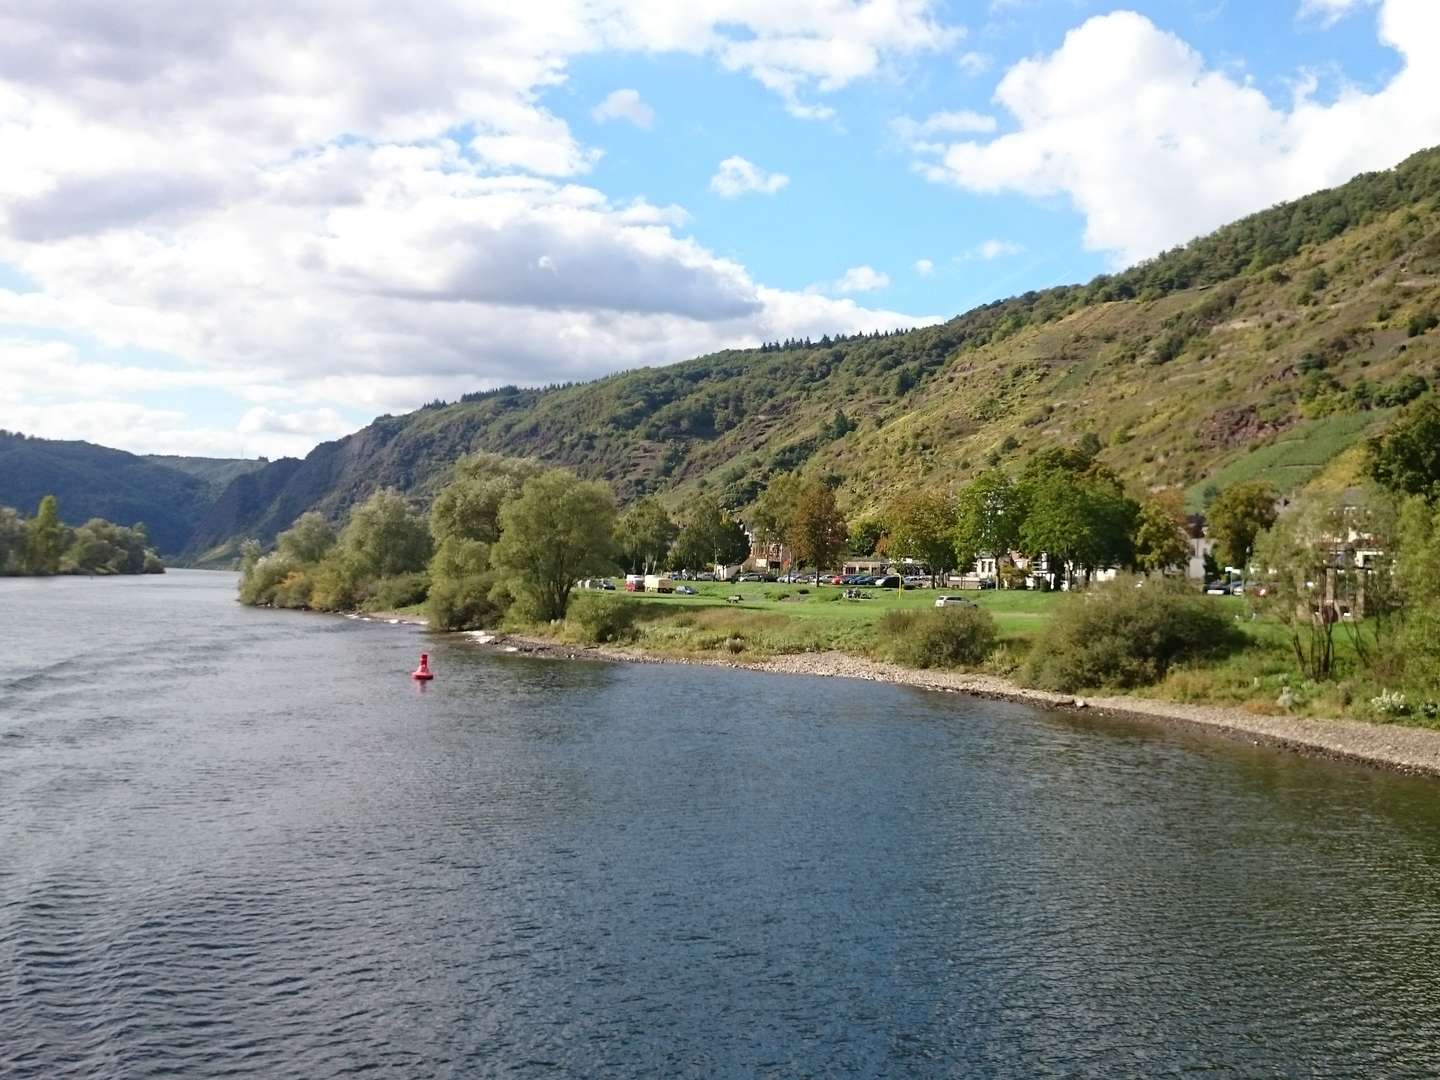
244	843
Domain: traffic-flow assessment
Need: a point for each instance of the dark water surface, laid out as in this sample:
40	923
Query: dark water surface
241	842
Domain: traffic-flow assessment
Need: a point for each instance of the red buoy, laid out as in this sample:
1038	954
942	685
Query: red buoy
423	671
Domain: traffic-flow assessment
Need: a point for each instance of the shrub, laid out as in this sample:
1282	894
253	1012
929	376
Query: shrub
940	637
1417	648
398	591
294	591
470	602
263	577
599	619
1120	636
337	582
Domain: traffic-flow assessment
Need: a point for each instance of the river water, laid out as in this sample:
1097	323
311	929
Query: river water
238	842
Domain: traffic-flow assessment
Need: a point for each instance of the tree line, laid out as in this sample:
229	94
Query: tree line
44	545
503	535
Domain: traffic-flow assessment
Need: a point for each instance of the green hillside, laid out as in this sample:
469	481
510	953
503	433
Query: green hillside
92	481
1267	348
218	473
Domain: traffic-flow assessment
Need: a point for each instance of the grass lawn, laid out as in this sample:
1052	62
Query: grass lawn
775	619
1019	613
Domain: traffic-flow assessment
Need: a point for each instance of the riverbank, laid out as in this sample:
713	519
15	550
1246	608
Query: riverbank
1389	746
1402	749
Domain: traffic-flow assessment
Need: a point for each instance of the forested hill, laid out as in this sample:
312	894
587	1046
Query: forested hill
1267	348
92	481
216	472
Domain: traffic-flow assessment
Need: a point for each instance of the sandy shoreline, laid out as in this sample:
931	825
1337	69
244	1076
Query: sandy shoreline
1402	749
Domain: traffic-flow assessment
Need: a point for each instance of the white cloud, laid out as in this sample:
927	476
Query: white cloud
1329	12
625	105
308	210
924	267
314	422
736	176
974	63
990	250
963	122
858	279
1154	148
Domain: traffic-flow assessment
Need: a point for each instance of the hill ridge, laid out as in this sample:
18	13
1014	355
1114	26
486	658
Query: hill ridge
1181	366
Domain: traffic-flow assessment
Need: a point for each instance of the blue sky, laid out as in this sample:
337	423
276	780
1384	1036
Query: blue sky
214	243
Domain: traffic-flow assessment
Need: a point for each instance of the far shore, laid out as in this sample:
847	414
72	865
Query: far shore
1388	746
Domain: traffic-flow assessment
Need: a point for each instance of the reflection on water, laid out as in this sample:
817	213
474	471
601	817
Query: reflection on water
245	842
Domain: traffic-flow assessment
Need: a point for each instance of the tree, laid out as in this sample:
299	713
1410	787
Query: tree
922	525
1417	573
384	538
1162	539
710	538
817	530
12	541
1302	553
775	508
1080	520
559	530
462	594
644	534
44	539
309	540
469	505
865	536
1406	459
1238	515
988	513
1417	567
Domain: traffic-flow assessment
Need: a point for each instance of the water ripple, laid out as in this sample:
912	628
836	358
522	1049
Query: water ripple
258	850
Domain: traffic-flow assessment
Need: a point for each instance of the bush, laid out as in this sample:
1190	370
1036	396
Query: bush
940	637
398	591
470	602
1417	649
261	579
1120	636
294	591
599	619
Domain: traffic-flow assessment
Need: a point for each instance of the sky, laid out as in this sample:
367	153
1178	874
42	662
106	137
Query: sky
243	227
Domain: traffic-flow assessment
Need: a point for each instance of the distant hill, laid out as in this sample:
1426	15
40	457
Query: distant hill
1268	348
95	481
217	472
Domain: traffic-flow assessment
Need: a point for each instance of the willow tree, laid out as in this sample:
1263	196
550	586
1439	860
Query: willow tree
556	532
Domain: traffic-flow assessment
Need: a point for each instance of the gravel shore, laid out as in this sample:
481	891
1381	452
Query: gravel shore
1404	749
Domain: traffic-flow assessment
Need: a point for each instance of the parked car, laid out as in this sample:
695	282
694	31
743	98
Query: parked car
916	581
836	579
953	601
751	576
684	590
987	583
705	575
889	581
606	584
634	582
